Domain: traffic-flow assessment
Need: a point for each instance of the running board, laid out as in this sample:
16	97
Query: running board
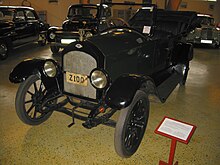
165	88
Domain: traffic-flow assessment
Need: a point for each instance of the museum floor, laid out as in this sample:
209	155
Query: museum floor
53	142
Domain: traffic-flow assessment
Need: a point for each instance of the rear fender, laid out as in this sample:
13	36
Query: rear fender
122	91
34	66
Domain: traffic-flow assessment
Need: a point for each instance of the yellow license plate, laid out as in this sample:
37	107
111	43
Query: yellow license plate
77	79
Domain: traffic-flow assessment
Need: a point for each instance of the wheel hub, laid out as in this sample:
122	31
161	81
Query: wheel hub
37	100
136	124
3	49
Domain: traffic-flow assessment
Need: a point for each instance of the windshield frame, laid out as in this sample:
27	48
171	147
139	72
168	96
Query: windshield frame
82	11
209	20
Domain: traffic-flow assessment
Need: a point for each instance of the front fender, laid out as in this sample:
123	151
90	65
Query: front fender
33	66
123	89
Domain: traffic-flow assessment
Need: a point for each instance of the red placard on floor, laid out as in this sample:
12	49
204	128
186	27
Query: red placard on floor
177	131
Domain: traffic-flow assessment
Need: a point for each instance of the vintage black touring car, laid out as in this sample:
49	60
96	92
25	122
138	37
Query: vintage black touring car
117	70
19	25
83	21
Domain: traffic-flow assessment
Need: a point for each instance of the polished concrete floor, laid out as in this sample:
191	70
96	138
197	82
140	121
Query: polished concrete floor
53	142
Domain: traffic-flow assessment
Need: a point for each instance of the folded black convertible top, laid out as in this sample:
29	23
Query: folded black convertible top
176	22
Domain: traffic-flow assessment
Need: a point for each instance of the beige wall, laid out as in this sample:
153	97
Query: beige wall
217	11
56	13
198	6
203	7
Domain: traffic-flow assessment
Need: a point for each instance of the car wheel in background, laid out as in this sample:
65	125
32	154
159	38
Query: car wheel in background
54	49
217	45
3	50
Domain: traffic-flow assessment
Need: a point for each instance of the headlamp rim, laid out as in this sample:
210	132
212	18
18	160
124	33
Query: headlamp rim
52	34
106	75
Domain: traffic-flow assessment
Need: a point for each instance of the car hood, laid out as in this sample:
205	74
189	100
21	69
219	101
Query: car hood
120	48
116	41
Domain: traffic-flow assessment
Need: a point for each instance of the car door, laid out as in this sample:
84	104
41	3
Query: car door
32	26
146	57
162	53
20	28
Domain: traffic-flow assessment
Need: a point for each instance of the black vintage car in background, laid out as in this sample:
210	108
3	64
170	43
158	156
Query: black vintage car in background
120	69
83	21
19	25
207	33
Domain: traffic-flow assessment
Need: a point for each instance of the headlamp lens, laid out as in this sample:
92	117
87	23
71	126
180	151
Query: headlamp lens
98	79
50	69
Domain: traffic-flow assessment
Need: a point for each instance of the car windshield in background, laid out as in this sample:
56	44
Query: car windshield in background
6	15
85	11
206	20
137	16
124	12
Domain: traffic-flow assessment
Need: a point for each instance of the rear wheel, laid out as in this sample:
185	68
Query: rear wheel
54	49
29	98
3	50
217	45
131	125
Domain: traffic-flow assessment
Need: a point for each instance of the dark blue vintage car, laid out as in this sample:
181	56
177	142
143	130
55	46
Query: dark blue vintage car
83	21
19	25
119	69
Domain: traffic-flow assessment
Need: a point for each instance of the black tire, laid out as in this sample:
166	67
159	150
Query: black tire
131	125
185	71
42	40
54	49
3	50
28	100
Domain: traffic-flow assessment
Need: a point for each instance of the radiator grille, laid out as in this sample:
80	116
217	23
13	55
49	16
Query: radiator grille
206	33
79	63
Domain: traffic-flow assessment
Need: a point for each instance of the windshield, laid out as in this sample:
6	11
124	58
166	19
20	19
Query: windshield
83	11
6	15
206	20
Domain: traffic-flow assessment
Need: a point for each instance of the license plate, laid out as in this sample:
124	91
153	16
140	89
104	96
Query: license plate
67	41
77	79
206	41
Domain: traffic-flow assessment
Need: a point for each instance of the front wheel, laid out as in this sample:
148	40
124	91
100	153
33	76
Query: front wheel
54	49
131	125
29	98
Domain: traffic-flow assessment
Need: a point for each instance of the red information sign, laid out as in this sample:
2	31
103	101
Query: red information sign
177	131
